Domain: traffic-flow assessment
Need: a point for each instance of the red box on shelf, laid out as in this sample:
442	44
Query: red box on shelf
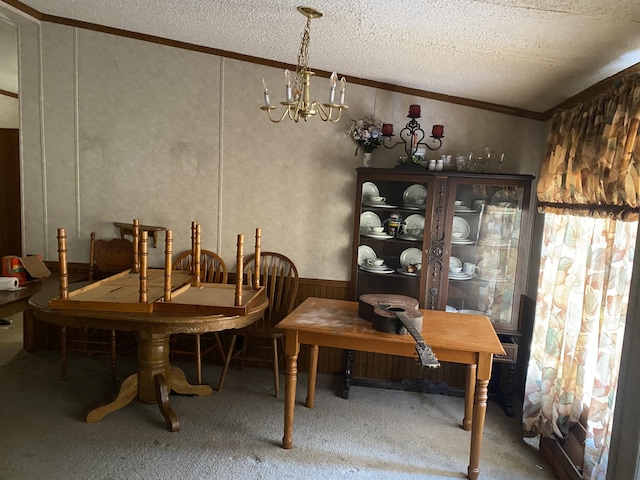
26	269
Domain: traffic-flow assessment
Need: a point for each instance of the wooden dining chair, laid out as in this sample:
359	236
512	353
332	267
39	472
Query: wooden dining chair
279	275
212	270
106	258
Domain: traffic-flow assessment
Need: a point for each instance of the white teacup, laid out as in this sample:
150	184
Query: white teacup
455	269
377	199
456	234
375	262
458	203
376	229
470	269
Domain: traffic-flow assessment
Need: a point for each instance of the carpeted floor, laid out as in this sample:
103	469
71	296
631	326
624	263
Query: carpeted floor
236	433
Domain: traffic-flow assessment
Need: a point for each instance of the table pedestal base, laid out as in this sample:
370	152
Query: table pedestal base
155	379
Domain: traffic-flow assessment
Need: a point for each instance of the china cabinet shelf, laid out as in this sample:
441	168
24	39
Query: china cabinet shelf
457	222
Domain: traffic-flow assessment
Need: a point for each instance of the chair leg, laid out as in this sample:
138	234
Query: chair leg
276	373
63	353
198	359
220	347
113	355
226	363
243	351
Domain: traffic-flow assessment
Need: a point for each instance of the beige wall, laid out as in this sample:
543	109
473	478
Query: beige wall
9	117
128	129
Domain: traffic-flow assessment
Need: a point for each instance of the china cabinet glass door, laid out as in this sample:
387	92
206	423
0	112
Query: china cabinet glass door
486	234
393	213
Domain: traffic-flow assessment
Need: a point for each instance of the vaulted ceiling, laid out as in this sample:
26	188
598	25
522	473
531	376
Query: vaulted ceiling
524	54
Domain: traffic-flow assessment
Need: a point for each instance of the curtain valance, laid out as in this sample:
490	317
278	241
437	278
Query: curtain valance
591	164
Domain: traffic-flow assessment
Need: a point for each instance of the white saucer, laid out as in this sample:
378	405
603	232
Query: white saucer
379	205
379	236
459	276
413	206
375	267
410	238
461	241
375	270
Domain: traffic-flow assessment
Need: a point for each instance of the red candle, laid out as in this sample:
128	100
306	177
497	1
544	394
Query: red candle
387	129
414	111
437	131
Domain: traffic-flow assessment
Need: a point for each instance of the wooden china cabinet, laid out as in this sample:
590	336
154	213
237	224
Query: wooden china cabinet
454	241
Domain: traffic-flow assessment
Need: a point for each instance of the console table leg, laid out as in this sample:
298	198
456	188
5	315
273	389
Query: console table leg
347	373
507	400
313	373
469	393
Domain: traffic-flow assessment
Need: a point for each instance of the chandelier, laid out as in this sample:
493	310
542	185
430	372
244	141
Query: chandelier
298	102
412	135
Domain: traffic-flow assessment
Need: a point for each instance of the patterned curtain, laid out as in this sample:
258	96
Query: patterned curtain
589	190
591	165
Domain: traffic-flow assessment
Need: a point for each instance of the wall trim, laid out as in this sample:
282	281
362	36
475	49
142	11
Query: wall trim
8	94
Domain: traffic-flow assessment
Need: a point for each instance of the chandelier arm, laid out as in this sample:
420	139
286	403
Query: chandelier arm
284	114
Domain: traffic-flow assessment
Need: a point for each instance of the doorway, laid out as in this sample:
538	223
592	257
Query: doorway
10	215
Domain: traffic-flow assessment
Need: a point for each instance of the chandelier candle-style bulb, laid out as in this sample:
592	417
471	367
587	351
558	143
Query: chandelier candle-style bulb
332	90
266	94
437	131
343	87
287	77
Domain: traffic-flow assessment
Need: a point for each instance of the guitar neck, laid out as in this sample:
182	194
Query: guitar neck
408	323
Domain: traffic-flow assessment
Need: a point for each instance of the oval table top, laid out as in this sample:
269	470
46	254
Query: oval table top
153	322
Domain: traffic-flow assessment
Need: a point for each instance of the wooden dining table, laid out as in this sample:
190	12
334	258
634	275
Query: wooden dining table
155	377
459	338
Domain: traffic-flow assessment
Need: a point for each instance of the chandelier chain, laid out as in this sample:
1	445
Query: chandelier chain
303	59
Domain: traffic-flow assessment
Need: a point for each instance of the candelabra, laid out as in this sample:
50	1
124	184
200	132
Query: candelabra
412	135
298	103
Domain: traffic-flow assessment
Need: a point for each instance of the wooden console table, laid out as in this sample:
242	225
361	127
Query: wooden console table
466	339
127	229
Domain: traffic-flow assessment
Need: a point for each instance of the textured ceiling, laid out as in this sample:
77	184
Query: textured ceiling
528	54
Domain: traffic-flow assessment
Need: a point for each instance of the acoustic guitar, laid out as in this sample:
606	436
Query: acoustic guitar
397	314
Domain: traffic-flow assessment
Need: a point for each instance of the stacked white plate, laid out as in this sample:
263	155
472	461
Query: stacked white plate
366	253
379	236
377	269
368	203
463	209
459	276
